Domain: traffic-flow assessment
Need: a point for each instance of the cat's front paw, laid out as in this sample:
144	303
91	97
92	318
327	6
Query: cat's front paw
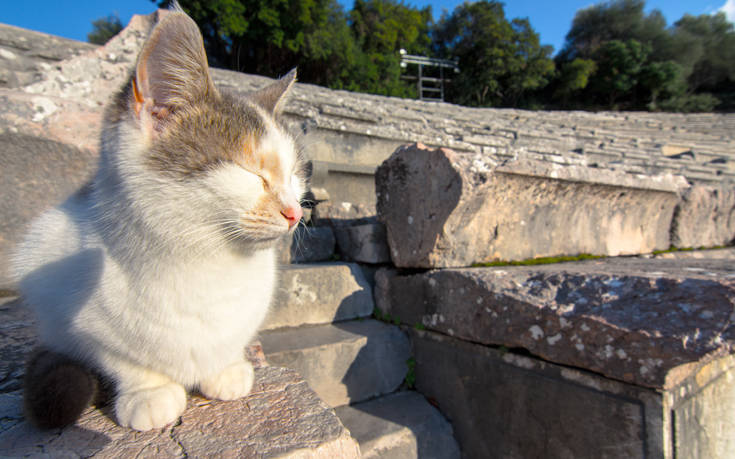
150	408
233	383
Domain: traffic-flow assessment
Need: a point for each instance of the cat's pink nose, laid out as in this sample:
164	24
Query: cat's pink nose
293	215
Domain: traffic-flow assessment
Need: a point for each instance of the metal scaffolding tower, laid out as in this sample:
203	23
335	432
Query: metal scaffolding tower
428	84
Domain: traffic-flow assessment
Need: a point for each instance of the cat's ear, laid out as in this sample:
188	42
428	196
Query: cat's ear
271	97
172	68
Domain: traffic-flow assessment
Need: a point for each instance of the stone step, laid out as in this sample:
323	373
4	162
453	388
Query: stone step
622	356
319	294
344	363
399	426
281	417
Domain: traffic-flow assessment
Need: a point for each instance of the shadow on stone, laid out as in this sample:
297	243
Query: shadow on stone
402	424
36	174
24	440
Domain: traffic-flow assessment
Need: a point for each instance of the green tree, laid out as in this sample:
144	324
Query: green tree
614	20
570	79
501	62
689	66
381	29
619	68
269	37
713	71
104	28
661	80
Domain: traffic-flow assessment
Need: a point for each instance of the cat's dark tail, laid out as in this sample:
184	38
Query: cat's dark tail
57	389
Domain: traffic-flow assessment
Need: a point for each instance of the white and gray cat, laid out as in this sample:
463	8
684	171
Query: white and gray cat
158	273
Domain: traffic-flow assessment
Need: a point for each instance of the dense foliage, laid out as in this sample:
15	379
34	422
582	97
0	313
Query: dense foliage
615	56
501	61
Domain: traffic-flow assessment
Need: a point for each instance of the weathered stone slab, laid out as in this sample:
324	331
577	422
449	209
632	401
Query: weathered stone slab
705	217
647	322
25	54
282	417
448	209
399	426
342	181
503	404
344	363
319	294
365	243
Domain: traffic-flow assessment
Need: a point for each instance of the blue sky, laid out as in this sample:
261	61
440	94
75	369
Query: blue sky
73	19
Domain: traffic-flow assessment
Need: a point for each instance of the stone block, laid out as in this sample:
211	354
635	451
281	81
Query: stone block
647	322
318	294
503	404
705	217
342	213
399	426
342	181
312	243
447	209
282	417
344	363
364	243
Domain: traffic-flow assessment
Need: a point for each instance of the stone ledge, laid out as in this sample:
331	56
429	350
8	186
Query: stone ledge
319	294
464	209
346	362
647	322
282	417
502	404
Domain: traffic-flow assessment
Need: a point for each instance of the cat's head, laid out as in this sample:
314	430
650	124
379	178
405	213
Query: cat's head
201	158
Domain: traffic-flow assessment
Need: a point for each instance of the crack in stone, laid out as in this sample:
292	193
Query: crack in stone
172	437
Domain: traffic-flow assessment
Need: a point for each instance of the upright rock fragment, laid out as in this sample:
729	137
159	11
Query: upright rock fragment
447	209
705	217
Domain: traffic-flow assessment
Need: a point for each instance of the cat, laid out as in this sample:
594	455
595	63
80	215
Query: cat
158	273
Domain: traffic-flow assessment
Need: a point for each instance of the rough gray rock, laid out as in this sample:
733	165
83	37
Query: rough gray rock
25	54
448	209
647	322
503	404
309	294
344	363
282	417
705	217
312	243
365	243
398	426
